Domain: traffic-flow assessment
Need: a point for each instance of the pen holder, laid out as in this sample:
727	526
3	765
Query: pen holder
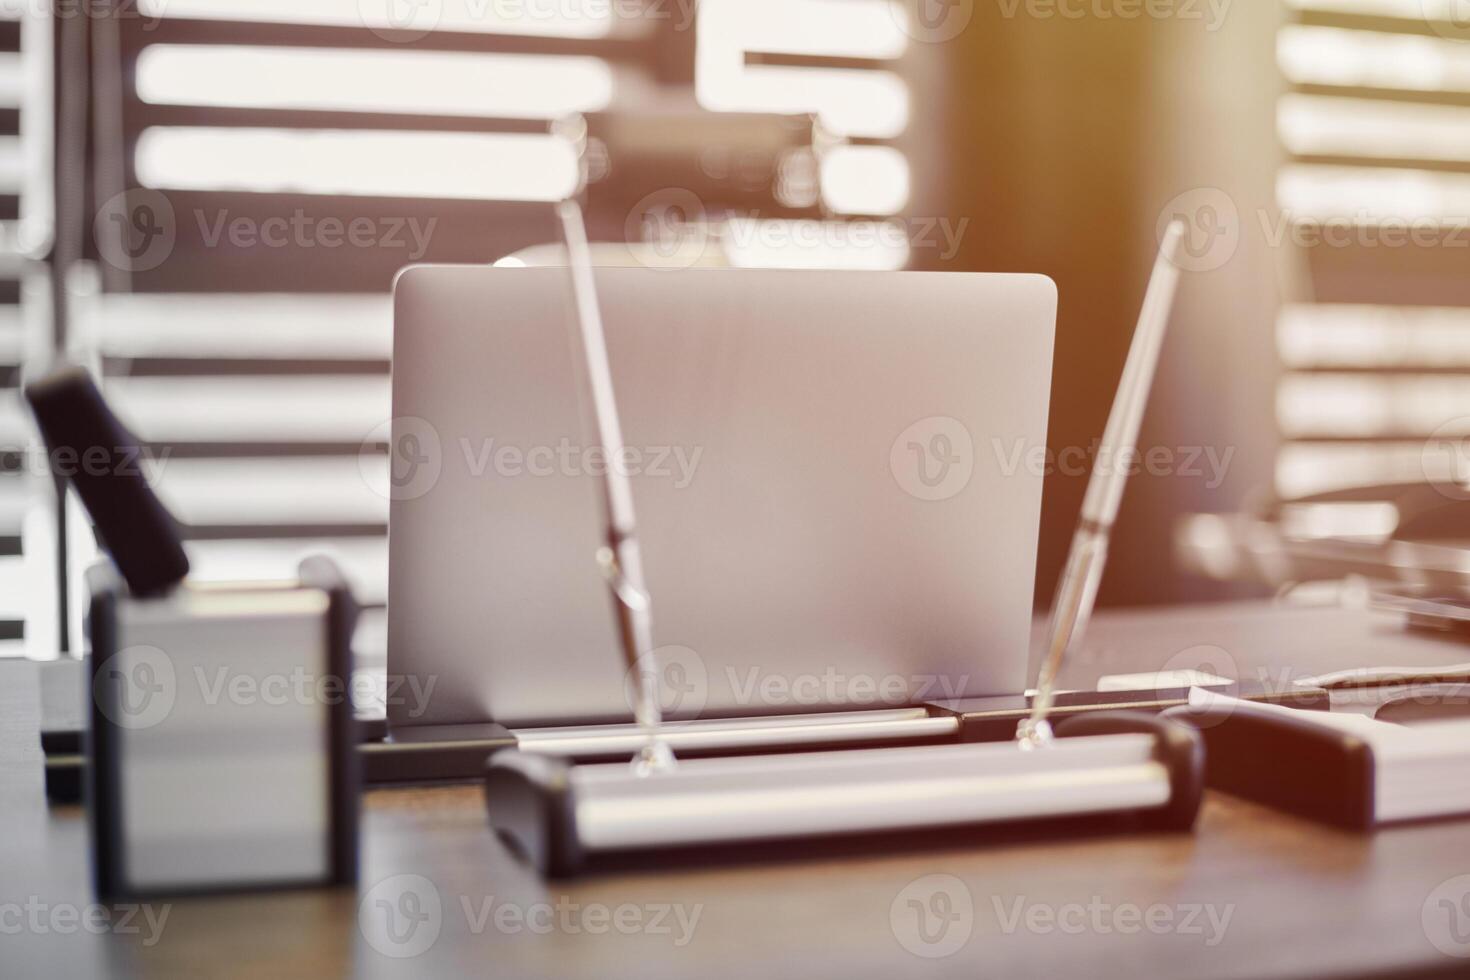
563	817
220	750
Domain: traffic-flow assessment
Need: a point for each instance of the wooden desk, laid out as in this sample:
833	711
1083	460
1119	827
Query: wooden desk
1302	900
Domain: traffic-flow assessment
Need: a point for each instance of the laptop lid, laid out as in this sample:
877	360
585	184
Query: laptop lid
835	474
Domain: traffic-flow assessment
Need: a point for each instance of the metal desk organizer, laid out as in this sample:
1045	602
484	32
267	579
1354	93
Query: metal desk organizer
562	814
209	767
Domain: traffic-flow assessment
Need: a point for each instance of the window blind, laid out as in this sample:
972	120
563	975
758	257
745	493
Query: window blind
1376	355
241	329
28	566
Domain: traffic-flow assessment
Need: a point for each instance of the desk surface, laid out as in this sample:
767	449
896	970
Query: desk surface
1251	893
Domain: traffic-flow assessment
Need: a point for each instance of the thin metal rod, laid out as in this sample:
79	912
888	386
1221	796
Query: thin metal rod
619	558
1077	591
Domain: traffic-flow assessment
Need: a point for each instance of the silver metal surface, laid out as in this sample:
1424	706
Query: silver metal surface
1082	573
786	424
619	557
213	788
1369	678
593	741
783	796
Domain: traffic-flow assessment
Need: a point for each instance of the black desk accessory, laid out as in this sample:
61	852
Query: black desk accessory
995	719
191	785
1399	694
1288	764
1419	569
561	814
457	753
1346	770
1433	702
563	817
87	445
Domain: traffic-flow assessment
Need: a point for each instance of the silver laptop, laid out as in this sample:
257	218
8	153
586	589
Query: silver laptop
837	477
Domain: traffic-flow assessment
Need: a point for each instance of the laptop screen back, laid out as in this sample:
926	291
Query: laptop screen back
835	475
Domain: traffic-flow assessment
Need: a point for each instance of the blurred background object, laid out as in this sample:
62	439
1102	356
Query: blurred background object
259	173
29	574
1372	385
239	181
